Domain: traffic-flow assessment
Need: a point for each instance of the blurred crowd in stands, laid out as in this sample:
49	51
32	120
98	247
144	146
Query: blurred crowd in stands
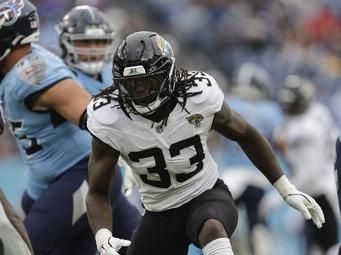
285	37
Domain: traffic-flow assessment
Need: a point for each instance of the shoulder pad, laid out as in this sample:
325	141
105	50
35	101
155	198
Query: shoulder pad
209	88
102	111
31	69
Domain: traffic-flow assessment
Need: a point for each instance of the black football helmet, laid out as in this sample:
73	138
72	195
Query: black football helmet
143	72
296	94
84	23
19	24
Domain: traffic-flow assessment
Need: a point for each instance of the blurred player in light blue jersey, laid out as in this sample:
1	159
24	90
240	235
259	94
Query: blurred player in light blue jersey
45	106
86	40
250	96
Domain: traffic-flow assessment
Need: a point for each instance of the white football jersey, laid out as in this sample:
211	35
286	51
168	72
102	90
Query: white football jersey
309	142
171	165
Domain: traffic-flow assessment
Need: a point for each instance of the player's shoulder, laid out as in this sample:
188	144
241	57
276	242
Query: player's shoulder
321	113
319	108
103	111
36	66
207	87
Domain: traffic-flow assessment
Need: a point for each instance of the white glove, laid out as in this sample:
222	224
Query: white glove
107	244
300	201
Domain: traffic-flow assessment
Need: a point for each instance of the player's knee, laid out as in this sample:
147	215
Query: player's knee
211	230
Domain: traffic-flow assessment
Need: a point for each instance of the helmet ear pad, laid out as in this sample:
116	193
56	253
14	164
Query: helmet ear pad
19	25
144	56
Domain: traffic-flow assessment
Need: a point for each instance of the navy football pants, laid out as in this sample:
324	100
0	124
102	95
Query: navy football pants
57	222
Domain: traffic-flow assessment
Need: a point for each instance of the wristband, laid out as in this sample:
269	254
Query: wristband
284	186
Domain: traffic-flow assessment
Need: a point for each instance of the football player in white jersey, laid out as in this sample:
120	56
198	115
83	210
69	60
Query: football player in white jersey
306	138
158	119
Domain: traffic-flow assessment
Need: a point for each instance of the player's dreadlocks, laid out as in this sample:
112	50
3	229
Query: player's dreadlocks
183	82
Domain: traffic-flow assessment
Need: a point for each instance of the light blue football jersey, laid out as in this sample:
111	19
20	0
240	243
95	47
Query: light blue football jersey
48	144
92	85
264	115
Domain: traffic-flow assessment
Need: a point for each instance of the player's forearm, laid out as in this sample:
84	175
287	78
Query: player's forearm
99	212
259	151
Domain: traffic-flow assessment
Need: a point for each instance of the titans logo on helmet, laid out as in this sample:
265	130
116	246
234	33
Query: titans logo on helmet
10	11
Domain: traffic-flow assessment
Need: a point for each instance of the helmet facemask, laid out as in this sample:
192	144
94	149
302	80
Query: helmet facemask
89	58
144	92
143	72
86	38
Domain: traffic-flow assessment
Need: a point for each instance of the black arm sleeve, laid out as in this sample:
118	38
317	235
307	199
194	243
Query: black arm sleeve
82	121
2	123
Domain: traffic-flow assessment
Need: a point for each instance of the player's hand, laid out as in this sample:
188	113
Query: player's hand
307	206
112	245
300	201
107	244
